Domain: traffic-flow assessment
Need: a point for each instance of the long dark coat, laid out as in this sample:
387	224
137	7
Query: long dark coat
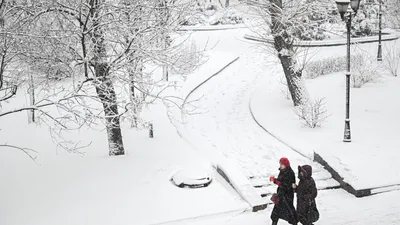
307	212
285	209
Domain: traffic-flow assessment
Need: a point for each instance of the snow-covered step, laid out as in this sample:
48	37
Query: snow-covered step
322	175
260	181
321	184
266	189
327	184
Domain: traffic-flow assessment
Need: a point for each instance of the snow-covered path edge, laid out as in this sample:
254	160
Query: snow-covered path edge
271	133
320	160
209	78
329	43
227	169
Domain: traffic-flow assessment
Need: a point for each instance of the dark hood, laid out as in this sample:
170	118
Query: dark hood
307	171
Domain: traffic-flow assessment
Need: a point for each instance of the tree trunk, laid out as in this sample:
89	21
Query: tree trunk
226	3
164	17
283	43
105	88
132	98
293	79
106	93
135	72
31	90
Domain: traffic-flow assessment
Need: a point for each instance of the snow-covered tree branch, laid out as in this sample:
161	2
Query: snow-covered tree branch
286	21
83	55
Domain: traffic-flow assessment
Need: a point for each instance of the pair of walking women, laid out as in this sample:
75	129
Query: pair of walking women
306	211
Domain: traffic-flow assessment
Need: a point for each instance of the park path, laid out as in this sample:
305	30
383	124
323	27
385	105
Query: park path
226	127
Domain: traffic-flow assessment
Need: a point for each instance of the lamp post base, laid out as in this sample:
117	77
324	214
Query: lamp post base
347	132
379	58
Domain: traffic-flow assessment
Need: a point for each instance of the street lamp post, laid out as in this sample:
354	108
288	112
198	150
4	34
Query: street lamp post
379	58
346	14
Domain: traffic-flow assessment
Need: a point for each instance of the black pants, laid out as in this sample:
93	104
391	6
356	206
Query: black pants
304	221
284	210
275	222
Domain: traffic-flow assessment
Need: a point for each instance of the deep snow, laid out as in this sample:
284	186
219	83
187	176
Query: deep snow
374	124
336	207
226	127
136	189
97	189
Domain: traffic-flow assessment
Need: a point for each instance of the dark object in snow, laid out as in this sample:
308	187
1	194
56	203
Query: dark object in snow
151	132
285	209
191	179
307	211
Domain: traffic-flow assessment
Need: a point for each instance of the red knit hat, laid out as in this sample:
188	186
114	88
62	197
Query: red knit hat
285	161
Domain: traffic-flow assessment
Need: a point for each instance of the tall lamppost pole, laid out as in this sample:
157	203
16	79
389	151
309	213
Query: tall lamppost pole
346	15
379	58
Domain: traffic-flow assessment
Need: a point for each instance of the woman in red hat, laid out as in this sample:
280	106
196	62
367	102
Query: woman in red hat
283	200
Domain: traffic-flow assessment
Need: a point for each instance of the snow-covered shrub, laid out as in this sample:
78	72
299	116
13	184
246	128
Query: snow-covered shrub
213	17
329	65
314	33
366	22
212	12
363	27
392	59
186	59
195	19
208	5
229	16
364	70
313	24
313	113
392	13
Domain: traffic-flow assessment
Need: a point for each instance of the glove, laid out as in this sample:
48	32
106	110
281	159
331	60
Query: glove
272	178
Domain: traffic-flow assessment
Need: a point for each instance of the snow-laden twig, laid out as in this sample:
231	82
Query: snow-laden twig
29	152
313	113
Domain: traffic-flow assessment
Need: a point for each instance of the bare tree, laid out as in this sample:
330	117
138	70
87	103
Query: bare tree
102	46
392	59
12	20
312	114
285	22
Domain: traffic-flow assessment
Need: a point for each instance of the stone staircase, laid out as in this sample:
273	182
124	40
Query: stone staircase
322	177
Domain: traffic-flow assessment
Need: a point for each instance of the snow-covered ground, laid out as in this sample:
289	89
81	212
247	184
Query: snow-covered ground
228	129
226	126
97	189
336	207
374	124
136	189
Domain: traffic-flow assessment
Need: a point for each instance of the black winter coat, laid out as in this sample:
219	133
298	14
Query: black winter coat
306	193
285	209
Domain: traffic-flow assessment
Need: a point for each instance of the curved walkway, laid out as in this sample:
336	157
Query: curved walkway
229	129
213	27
